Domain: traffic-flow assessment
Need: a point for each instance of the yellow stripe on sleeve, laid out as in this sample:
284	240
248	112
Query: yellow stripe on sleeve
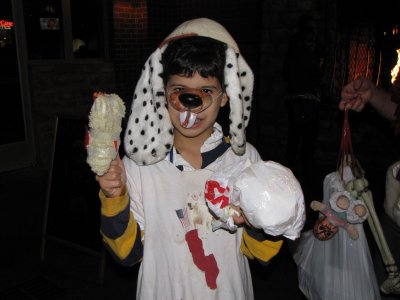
123	245
112	206
262	250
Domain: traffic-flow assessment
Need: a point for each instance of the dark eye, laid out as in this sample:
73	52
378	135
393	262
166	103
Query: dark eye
178	89
208	91
175	89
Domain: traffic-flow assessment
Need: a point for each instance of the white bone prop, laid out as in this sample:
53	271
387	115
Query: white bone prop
104	131
391	203
359	188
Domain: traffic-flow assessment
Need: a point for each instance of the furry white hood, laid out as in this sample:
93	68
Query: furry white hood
149	134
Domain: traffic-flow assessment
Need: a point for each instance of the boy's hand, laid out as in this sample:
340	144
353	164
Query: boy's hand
239	218
113	182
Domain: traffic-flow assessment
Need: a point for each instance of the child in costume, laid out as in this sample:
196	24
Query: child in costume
153	206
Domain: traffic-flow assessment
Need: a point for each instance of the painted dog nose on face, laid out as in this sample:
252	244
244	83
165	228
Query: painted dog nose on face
190	101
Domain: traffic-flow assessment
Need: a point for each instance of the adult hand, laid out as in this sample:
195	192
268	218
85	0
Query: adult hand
356	94
113	182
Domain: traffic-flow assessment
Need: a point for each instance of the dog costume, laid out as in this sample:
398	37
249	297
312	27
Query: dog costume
163	220
149	135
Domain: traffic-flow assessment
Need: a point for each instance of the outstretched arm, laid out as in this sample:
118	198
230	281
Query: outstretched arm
356	94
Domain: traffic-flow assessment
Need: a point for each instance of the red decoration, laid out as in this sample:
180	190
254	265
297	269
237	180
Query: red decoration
324	230
86	138
346	155
6	25
205	263
218	197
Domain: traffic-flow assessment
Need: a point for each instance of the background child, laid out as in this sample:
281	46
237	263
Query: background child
153	206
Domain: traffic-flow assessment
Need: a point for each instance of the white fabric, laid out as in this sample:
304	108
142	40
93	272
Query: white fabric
204	27
272	199
167	270
392	199
339	268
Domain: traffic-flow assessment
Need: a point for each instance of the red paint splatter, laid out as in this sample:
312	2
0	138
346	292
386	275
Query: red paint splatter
207	263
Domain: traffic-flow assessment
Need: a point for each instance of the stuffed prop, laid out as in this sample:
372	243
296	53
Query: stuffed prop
103	137
268	194
343	211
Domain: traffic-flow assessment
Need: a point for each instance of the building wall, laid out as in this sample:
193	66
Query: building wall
279	24
63	88
130	44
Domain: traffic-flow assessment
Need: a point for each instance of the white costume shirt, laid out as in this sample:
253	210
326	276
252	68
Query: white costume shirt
167	270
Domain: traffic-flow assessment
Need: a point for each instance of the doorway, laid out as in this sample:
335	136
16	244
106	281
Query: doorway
16	138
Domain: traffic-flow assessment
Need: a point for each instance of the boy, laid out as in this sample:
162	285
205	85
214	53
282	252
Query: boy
153	207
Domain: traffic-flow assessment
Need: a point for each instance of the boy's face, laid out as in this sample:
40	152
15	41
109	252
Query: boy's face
205	119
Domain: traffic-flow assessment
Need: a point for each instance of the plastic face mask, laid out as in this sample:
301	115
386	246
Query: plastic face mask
189	102
194	100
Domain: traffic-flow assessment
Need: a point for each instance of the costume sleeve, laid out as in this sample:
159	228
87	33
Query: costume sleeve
121	233
257	244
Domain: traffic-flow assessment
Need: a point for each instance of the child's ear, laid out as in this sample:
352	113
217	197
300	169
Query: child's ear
224	99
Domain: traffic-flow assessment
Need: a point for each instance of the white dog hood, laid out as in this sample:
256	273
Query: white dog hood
149	134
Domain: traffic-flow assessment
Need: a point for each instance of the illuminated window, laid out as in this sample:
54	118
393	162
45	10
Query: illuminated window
86	28
65	29
44	30
12	122
395	71
361	53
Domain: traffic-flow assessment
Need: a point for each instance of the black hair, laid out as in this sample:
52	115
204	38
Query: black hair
186	56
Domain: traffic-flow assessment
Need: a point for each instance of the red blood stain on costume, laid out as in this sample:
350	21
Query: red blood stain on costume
207	263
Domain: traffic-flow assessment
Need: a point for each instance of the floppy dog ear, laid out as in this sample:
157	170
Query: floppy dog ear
239	81
149	133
